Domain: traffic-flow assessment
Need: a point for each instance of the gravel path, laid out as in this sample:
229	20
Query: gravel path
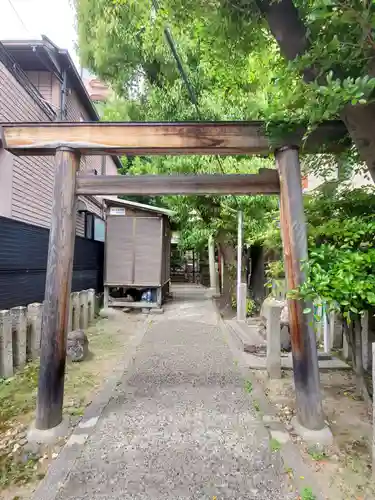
181	424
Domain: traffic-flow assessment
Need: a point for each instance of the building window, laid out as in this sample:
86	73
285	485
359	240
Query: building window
89	226
94	227
99	229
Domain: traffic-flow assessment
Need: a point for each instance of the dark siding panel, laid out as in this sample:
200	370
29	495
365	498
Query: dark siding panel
23	262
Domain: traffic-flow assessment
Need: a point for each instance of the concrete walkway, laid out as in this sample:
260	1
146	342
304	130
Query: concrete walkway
180	424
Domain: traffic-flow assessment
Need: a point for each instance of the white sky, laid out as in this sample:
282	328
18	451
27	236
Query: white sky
54	18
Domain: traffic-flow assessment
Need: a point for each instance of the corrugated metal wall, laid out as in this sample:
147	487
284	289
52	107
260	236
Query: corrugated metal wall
23	261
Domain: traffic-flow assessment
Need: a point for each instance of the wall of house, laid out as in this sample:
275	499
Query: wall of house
358	180
26	183
31	182
75	113
42	80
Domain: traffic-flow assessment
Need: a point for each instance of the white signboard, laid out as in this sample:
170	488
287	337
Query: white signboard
117	211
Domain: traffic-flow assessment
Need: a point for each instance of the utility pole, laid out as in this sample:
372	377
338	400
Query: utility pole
211	263
241	287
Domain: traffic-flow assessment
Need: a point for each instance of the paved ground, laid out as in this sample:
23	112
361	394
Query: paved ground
180	424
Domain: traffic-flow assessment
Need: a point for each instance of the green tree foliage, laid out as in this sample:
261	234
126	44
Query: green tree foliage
342	256
237	71
232	58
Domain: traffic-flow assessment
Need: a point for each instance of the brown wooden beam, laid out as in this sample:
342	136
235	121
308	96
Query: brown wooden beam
267	182
165	138
57	292
294	236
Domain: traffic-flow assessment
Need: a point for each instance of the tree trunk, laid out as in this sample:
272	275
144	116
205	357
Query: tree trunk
228	253
360	122
290	33
354	337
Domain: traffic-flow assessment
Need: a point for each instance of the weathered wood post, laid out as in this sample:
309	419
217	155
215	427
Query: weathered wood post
57	292
293	231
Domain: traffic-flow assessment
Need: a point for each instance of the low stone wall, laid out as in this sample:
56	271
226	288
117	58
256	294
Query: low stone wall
20	329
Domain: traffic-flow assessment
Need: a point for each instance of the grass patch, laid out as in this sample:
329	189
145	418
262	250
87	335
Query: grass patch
275	445
289	471
18	394
248	387
17	472
316	454
76	411
256	405
307	494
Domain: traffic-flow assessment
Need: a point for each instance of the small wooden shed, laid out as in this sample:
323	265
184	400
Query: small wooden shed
137	253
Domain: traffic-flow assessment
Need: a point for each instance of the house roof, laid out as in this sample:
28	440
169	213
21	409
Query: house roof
115	201
41	55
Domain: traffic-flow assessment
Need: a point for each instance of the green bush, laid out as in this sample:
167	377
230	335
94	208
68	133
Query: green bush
250	305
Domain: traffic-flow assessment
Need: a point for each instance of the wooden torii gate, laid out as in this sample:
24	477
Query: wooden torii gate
68	141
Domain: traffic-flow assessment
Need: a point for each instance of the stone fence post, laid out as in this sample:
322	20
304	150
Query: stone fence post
75	311
91	304
6	344
19	331
273	361
34	322
83	303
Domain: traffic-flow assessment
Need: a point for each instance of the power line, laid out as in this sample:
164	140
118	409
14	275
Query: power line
192	96
17	14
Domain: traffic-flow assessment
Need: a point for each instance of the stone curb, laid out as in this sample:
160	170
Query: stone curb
60	468
303	476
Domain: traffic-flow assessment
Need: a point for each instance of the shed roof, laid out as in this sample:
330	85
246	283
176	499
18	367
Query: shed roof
115	201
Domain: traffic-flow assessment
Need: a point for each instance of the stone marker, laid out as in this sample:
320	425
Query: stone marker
19	331
285	342
6	344
273	361
335	330
77	346
34	320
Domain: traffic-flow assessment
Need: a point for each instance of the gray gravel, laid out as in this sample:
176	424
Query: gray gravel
180	424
